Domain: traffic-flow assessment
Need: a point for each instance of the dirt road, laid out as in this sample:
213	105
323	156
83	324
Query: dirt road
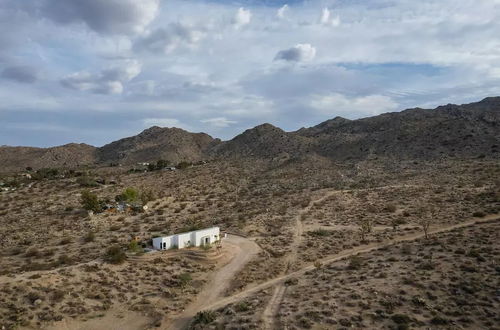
241	251
343	255
272	308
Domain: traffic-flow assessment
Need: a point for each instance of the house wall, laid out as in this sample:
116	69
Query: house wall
213	233
169	240
194	238
184	240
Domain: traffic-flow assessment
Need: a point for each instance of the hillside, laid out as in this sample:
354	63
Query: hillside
69	155
450	131
172	144
463	131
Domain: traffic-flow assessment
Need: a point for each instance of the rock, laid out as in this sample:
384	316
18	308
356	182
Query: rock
37	302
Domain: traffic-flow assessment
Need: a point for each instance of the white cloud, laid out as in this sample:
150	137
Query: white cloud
327	19
281	13
353	107
243	17
298	53
219	122
104	16
108	81
163	122
167	39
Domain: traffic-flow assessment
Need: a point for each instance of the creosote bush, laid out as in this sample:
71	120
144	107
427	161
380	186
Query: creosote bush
115	255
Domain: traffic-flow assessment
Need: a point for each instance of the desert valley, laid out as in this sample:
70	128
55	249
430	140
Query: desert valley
385	222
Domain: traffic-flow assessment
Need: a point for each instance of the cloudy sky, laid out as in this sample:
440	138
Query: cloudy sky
94	71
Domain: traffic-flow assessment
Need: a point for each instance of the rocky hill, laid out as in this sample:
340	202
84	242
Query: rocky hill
173	144
461	131
69	155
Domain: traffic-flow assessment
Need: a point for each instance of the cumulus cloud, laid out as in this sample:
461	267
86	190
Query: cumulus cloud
282	11
104	16
219	122
108	81
243	17
298	53
165	40
21	74
336	103
327	19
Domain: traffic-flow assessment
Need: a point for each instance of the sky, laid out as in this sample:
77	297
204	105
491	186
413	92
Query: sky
94	71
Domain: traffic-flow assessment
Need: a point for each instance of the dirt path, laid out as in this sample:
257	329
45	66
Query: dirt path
345	254
242	250
272	308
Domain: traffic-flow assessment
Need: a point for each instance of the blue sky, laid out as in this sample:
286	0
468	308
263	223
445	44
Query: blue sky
98	70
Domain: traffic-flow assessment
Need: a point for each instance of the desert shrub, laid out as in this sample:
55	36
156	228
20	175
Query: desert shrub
90	202
406	249
114	227
401	319
85	181
184	279
391	208
89	237
115	255
437	320
63	259
32	252
355	262
320	232
65	240
204	317
58	295
130	195
134	246
183	165
242	307
291	281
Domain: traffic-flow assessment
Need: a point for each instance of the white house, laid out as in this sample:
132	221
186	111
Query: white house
183	240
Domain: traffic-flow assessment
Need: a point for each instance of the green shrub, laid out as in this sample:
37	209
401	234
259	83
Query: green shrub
115	255
242	307
90	202
204	317
134	246
184	279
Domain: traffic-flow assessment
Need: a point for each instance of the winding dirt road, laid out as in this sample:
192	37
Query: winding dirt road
241	250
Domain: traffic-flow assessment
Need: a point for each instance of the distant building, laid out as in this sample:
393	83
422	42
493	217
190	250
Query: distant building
193	238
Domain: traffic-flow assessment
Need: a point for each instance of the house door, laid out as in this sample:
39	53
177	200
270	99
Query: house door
207	240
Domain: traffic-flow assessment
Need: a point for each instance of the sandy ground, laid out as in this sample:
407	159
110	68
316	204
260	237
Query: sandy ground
345	254
241	251
115	319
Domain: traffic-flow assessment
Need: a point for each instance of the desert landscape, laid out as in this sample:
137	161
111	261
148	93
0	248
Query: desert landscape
312	242
249	164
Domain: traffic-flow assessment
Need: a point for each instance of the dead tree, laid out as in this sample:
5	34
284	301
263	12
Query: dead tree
426	218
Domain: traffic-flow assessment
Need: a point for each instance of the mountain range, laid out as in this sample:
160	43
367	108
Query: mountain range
459	131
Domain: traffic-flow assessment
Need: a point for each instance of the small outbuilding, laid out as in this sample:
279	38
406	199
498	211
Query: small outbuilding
193	238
